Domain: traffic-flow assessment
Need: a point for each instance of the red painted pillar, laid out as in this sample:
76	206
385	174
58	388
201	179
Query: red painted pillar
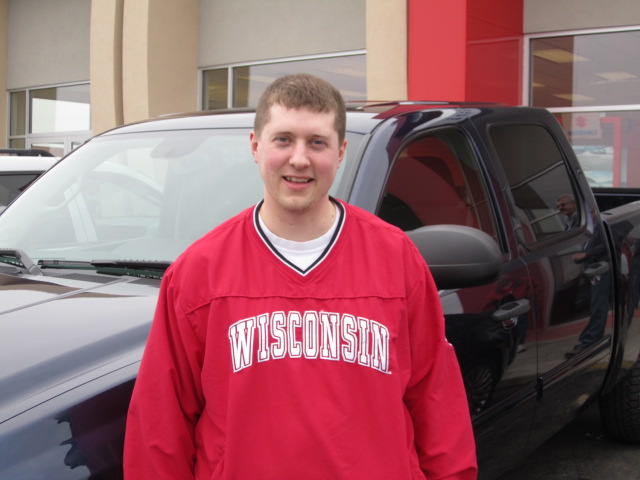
437	49
465	50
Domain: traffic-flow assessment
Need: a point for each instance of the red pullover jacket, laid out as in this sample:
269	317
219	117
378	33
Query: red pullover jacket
257	370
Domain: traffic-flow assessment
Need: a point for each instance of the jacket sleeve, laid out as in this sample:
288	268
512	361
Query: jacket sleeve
167	398
435	395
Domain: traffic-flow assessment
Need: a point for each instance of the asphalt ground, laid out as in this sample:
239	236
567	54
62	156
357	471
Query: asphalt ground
581	451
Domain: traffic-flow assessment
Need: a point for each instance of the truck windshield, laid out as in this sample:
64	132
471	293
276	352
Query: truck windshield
136	196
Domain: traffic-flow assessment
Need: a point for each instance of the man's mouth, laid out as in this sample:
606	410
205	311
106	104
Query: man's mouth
297	180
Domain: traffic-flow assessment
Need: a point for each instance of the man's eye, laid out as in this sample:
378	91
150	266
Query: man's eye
282	139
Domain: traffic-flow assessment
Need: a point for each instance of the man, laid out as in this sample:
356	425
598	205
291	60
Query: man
566	205
302	339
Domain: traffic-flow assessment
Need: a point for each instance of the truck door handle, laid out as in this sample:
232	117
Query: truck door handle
511	309
597	268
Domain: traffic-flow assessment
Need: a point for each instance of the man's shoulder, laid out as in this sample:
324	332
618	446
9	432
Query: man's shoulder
368	221
385	246
369	233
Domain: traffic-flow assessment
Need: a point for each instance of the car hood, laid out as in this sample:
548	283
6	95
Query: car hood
61	331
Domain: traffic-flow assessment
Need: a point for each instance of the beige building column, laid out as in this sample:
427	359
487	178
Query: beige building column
4	35
106	64
144	56
159	58
386	49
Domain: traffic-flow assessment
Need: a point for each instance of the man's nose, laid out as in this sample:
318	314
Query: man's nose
299	155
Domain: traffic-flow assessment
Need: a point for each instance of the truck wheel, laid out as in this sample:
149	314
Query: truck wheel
620	408
480	380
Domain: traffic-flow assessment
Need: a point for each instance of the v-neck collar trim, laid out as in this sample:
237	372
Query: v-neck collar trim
282	258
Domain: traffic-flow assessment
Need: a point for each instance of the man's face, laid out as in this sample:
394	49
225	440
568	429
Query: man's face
566	206
298	153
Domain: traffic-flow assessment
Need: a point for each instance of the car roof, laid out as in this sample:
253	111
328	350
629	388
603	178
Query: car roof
362	117
16	164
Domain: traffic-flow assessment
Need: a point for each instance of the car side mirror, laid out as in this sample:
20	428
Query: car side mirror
458	256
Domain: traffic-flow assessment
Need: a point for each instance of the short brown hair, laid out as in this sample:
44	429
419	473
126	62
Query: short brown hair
302	90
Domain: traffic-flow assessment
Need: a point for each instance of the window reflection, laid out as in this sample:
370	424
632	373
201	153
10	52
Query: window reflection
539	181
17	143
216	89
455	194
60	109
347	73
55	119
54	148
18	113
586	70
607	145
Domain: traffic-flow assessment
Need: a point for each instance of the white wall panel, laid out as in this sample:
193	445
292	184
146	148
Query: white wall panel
552	15
48	42
233	31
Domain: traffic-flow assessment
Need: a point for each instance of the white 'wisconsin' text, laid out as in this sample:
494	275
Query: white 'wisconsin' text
310	335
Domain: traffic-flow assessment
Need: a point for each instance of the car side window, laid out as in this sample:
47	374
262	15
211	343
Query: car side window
436	180
545	201
11	185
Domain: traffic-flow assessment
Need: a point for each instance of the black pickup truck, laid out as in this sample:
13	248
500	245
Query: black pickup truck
539	287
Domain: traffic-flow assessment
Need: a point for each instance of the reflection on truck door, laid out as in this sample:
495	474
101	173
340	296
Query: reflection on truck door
569	265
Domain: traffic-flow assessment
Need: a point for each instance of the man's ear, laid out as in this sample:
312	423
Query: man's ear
342	150
253	141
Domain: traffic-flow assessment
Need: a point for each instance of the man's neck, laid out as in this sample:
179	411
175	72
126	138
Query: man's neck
298	226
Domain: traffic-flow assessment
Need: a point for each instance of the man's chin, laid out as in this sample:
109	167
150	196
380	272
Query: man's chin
298	205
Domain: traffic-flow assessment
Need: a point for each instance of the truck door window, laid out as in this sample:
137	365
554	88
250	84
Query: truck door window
436	180
545	201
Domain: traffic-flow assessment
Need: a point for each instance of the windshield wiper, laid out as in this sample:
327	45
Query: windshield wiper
62	264
136	264
137	268
19	258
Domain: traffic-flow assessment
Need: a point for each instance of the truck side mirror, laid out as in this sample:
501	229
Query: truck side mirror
458	256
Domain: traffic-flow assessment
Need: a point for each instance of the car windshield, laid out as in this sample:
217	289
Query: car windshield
136	196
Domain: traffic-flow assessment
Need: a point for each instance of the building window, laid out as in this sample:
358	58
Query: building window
591	81
216	89
18	113
238	86
586	70
56	119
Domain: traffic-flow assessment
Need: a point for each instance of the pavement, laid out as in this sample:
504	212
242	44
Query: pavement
581	451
